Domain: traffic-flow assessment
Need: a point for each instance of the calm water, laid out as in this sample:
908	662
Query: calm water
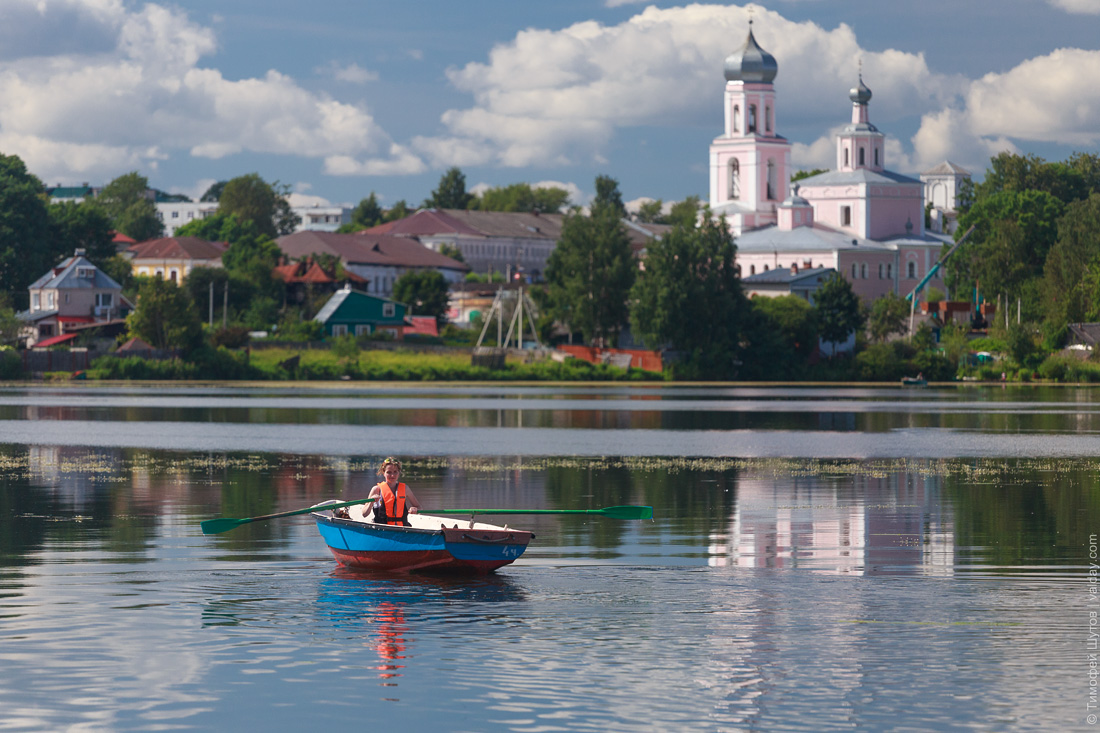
820	559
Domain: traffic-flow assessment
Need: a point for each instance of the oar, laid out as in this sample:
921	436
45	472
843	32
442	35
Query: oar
615	512
217	526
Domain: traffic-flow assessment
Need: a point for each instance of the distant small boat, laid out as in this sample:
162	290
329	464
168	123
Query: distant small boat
914	381
431	543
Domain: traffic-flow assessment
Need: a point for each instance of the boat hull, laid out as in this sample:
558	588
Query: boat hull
477	549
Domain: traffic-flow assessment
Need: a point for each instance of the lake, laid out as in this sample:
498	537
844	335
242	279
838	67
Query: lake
820	558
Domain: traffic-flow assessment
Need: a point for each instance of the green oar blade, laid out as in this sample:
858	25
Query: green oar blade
223	524
626	512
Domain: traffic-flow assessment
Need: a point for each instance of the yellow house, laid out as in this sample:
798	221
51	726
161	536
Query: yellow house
173	258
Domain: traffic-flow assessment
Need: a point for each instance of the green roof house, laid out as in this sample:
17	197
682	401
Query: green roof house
352	312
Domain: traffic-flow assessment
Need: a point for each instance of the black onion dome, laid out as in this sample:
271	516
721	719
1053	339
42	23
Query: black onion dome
751	63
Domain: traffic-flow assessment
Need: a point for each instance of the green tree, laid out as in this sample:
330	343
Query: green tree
778	338
592	268
689	298
451	193
26	249
82	226
685	212
889	315
650	212
425	291
164	316
1070	274
128	202
521	197
399	210
364	216
452	251
838	310
799	175
250	198
214	192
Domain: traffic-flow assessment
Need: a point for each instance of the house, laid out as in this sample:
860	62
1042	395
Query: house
175	214
308	276
378	259
490	241
173	258
774	283
73	293
352	312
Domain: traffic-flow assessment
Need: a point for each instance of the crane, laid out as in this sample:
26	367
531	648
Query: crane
912	297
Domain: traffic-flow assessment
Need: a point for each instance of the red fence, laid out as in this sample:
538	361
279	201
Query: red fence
639	358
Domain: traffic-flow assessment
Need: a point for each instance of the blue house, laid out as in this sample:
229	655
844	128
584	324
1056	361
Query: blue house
352	312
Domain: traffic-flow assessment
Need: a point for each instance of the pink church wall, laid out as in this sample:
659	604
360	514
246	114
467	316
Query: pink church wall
889	215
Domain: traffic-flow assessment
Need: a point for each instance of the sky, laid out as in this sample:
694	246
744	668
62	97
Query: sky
340	98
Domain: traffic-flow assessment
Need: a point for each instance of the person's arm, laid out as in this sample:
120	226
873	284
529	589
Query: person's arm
411	500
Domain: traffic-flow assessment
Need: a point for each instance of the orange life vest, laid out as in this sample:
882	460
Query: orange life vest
391	507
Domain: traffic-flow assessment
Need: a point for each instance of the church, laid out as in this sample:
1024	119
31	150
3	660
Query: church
862	220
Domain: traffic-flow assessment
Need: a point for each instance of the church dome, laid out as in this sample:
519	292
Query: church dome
860	94
751	63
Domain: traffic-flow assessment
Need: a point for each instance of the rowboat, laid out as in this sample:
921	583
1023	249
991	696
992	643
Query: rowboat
914	381
430	543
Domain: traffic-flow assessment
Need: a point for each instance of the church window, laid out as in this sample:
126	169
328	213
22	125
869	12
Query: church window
861	161
767	119
765	268
771	178
846	157
846	216
889	270
752	269
736	118
880	271
863	271
855	271
750	126
911	270
876	157
735	179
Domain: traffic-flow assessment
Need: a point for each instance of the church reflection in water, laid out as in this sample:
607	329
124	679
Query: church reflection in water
895	524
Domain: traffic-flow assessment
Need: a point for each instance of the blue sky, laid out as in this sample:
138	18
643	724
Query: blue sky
338	98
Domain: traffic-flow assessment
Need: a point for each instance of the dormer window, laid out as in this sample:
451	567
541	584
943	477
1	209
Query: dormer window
388	310
88	273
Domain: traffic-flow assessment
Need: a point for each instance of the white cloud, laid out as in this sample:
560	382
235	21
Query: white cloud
130	91
558	97
1082	7
399	162
352	73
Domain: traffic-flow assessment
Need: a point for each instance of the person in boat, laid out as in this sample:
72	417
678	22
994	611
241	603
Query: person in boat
393	500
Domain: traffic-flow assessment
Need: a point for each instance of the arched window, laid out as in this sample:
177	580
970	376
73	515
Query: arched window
876	157
767	119
911	270
863	271
771	178
765	268
751	125
736	118
735	179
752	269
855	271
890	270
880	271
845	157
861	151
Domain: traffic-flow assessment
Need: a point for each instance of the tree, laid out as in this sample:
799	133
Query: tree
838	310
399	210
1071	275
425	292
364	216
778	339
129	204
82	226
451	193
689	298
650	212
592	268
250	198
685	212
521	197
889	314
164	316
214	192
799	175
449	250
26	250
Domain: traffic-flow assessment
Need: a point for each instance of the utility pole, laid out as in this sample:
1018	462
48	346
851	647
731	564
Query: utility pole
225	306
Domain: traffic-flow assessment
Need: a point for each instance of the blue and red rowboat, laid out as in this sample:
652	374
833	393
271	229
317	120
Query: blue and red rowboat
431	543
